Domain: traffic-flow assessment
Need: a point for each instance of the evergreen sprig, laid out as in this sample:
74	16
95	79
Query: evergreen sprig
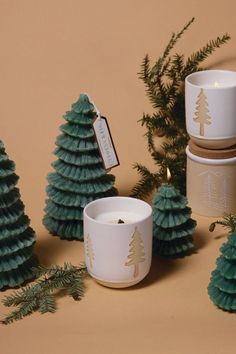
41	295
164	82
147	183
228	221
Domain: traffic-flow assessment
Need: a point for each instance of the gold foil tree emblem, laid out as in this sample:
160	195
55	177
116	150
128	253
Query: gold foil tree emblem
136	254
89	250
201	115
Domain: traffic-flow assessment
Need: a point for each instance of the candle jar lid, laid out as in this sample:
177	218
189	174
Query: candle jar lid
212	154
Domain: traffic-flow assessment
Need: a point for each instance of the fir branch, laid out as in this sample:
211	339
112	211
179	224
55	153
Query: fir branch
150	139
192	64
152	78
228	222
24	310
146	184
164	84
158	67
177	66
176	144
147	120
157	121
47	304
145	70
41	295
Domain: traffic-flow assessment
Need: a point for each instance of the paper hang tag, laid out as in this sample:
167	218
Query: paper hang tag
105	143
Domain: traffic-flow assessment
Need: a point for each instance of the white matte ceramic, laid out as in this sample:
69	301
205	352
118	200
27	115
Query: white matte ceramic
118	255
210	107
211	185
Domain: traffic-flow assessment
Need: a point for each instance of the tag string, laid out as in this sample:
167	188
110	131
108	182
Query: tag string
98	113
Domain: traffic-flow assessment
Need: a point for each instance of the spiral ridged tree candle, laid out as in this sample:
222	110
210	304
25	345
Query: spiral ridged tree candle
172	223
17	238
222	286
79	176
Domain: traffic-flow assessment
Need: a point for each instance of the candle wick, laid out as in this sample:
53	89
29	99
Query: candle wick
120	221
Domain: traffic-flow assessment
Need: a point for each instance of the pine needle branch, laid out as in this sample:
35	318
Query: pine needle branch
147	183
164	83
228	222
158	67
41	295
197	58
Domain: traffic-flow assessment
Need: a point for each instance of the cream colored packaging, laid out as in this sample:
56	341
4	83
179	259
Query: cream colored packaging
211	180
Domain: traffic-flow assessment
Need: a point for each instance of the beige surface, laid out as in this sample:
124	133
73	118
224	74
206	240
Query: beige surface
168	313
51	50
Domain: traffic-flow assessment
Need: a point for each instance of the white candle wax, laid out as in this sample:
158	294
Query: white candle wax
114	216
216	85
210	108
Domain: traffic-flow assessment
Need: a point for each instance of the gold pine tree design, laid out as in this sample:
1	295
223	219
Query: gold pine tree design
136	254
201	115
89	250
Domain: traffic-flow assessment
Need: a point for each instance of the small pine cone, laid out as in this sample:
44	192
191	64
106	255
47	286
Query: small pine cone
76	297
212	227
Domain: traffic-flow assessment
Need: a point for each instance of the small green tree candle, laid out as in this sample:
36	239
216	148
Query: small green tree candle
17	238
222	286
79	176
172	224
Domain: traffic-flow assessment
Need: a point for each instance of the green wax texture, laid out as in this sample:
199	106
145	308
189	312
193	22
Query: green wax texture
79	176
222	286
17	238
173	226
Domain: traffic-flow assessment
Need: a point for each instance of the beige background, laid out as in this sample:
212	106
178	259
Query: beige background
51	50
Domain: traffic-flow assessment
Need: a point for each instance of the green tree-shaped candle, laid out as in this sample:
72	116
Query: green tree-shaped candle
172	224
79	176
222	286
17	238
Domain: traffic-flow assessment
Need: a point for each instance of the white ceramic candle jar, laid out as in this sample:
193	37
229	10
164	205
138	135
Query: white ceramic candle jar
210	107
118	240
211	180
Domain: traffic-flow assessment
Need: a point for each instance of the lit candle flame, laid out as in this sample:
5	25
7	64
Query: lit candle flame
168	175
216	84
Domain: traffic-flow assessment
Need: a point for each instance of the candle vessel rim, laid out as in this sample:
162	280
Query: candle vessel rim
228	73
120	198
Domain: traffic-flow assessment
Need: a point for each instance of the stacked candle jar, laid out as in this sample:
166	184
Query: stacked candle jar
210	103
